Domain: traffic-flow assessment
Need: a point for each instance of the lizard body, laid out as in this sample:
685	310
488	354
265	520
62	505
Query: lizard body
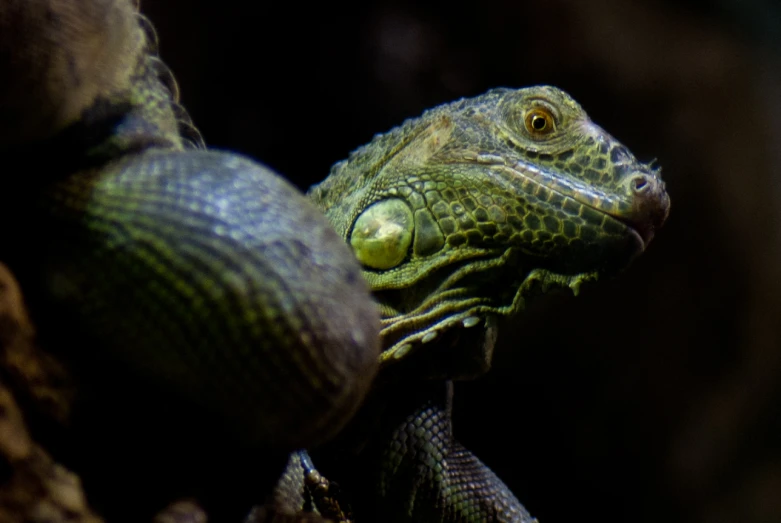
204	305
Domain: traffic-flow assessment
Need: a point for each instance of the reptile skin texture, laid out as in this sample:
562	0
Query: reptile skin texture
213	319
423	464
217	321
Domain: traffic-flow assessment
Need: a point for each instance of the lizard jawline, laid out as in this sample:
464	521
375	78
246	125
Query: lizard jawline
579	193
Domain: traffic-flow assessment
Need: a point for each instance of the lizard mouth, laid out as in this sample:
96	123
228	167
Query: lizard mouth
641	231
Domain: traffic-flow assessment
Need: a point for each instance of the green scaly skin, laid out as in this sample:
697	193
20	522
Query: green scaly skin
459	217
212	316
161	256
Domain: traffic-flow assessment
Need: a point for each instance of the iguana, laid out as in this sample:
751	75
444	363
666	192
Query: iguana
458	217
191	269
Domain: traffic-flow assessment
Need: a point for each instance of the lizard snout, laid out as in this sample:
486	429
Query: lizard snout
650	204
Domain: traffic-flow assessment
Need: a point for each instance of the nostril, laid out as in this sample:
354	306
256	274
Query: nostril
640	184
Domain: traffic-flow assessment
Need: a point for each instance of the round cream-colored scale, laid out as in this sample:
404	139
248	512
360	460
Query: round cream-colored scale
382	234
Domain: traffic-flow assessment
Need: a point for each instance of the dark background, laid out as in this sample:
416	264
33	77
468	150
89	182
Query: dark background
656	396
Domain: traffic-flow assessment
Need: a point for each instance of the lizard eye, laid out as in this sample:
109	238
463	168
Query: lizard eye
539	121
382	234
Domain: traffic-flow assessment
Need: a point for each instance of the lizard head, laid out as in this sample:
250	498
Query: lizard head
461	214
